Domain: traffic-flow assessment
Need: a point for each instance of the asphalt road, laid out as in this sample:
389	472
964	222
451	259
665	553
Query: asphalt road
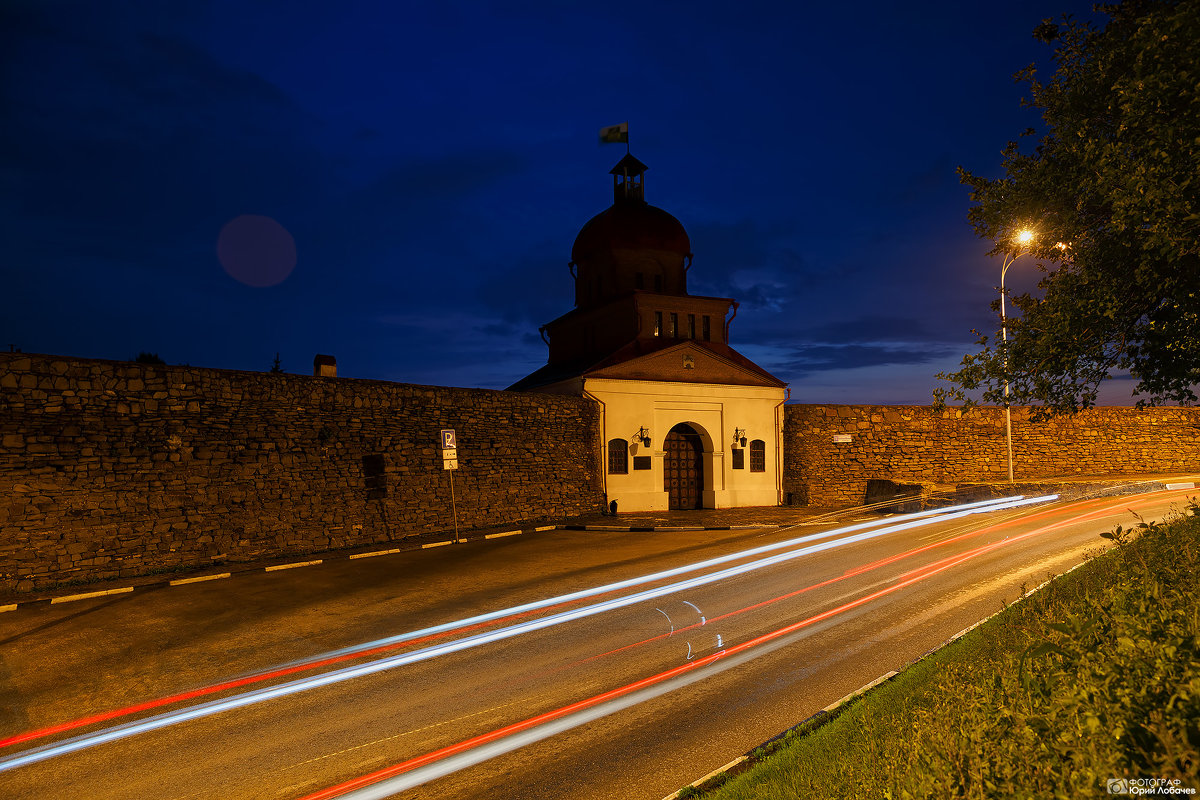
605	695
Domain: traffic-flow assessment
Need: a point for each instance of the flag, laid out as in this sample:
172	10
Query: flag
615	134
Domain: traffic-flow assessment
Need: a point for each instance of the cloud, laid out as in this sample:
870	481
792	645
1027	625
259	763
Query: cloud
804	359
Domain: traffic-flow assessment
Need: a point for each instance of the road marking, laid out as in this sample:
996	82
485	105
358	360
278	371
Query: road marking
398	735
376	553
498	535
72	597
293	566
12	607
436	544
1181	485
546	528
182	581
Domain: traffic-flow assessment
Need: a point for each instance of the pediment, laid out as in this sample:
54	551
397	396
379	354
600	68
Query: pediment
687	362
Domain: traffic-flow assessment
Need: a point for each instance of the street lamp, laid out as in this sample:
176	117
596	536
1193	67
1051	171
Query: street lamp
1023	237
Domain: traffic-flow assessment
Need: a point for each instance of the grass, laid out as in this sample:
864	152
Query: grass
1095	677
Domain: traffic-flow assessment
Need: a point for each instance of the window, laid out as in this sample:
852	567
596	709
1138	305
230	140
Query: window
376	480
673	331
758	456
739	458
618	457
704	332
658	323
638	281
691	326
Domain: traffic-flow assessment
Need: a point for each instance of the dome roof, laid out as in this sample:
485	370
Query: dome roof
631	226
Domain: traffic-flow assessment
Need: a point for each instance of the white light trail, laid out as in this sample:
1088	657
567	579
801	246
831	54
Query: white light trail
981	505
156	722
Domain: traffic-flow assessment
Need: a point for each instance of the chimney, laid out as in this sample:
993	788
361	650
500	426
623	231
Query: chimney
324	366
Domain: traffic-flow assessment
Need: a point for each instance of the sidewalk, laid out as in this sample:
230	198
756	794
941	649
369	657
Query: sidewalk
700	518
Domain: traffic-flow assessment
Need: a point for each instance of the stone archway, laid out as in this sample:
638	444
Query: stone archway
683	467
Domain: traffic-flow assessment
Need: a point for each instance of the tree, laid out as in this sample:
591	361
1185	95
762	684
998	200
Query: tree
275	367
1112	192
148	358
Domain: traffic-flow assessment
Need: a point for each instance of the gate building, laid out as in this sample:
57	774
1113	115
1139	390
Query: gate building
687	421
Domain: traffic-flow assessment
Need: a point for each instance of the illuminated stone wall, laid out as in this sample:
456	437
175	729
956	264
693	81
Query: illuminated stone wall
831	452
115	469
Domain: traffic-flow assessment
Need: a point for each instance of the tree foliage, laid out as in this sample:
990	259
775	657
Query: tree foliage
1111	192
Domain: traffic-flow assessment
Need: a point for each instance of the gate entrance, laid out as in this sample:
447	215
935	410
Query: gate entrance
683	467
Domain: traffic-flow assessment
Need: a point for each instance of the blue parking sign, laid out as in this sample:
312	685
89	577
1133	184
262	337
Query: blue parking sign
448	442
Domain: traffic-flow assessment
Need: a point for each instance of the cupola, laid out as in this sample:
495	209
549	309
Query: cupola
631	246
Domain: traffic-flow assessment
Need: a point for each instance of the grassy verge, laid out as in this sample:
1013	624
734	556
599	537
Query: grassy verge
1095	677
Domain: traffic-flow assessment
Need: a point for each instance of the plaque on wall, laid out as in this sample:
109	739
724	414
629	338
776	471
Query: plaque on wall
641	462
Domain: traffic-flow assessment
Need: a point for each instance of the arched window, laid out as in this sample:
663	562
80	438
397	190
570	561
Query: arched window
618	457
758	456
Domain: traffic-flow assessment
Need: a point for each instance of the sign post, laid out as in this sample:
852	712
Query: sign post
450	463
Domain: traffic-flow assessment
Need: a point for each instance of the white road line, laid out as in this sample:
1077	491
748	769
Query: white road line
182	581
87	595
293	566
376	553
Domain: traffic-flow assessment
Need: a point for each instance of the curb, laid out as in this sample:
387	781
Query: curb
403	548
666	528
826	714
752	757
168	582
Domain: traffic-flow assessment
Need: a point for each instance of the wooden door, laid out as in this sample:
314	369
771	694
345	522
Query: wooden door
683	467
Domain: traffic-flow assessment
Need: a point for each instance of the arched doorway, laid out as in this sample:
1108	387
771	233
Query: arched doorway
683	467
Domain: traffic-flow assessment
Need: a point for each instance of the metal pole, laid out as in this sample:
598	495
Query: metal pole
1004	333
453	505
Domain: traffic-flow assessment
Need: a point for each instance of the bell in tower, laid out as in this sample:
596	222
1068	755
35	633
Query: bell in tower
627	180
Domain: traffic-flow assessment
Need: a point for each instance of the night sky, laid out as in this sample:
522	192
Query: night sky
399	184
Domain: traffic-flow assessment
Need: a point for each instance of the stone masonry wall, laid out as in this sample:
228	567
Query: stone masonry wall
116	469
916	444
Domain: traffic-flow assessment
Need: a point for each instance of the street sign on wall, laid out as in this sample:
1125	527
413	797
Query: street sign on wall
449	449
450	463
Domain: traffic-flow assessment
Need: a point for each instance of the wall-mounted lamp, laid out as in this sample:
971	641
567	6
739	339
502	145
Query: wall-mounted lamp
739	437
642	436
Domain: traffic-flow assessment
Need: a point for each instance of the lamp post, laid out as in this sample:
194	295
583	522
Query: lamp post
1023	238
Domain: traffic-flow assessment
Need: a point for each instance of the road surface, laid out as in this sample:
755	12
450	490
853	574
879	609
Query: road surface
580	664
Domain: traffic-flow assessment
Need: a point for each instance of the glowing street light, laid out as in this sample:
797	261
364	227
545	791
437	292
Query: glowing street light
1023	238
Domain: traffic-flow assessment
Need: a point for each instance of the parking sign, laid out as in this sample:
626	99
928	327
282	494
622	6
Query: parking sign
448	442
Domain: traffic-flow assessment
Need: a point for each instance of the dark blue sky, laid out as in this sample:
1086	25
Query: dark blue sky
433	162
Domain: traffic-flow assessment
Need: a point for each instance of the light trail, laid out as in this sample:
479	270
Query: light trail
437	631
199	711
414	772
1108	504
444	761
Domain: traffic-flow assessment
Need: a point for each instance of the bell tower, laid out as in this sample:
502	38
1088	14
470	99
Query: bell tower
631	246
627	180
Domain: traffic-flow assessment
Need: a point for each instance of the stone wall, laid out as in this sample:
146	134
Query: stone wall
831	452
115	469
